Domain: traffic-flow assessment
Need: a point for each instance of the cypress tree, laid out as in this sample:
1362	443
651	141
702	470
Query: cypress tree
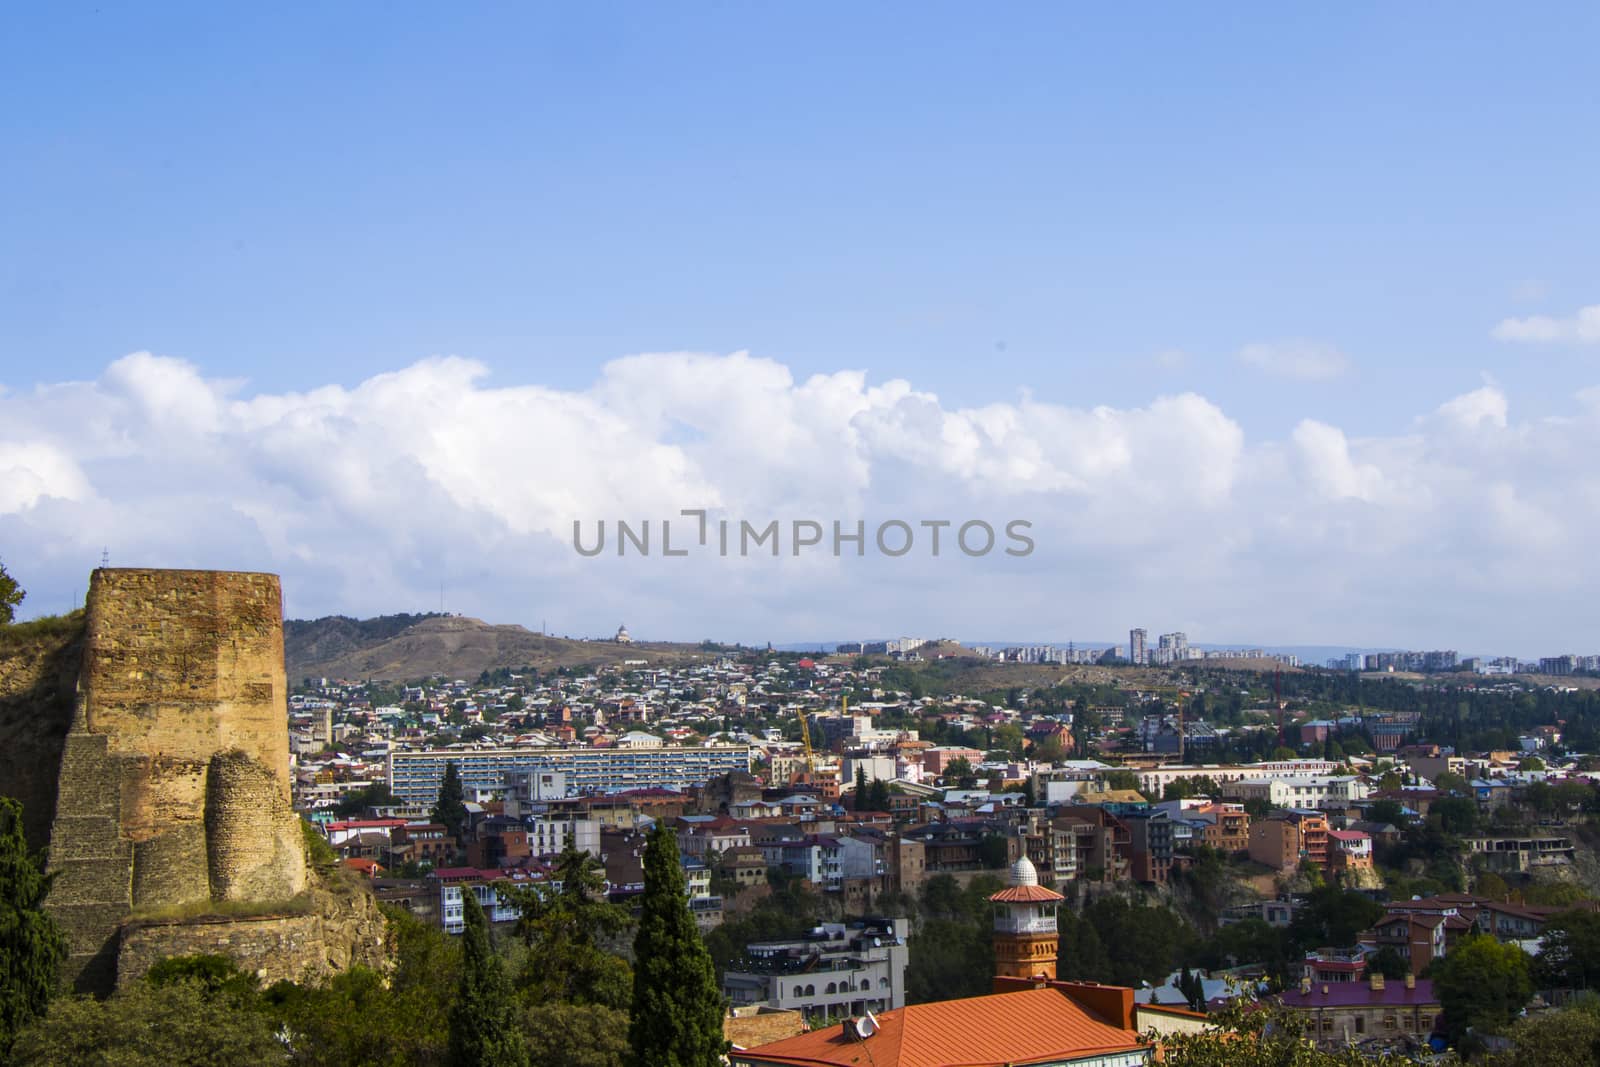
451	809
677	1008
861	788
31	945
483	1020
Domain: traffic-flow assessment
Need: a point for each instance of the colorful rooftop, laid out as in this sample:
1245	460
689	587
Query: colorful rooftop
1026	1027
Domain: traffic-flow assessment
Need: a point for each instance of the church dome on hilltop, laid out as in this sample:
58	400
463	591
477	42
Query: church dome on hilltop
1023	872
622	637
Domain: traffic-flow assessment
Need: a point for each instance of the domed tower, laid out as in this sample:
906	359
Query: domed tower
1026	942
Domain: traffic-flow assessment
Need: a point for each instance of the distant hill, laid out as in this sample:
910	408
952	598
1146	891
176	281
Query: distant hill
402	647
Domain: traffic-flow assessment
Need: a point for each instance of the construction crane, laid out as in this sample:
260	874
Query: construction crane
805	741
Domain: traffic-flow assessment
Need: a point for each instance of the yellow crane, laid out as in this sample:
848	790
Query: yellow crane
805	741
805	735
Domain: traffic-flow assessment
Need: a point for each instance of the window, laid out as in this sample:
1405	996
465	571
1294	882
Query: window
833	987
1361	1024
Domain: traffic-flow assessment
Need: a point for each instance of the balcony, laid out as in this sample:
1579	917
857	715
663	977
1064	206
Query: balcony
1036	925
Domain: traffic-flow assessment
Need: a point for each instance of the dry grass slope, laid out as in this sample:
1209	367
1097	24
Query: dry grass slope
459	647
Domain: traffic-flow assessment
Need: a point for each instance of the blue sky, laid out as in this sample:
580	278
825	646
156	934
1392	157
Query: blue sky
1082	206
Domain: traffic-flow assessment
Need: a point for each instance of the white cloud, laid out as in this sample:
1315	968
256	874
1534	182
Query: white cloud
32	470
1300	359
1325	455
1582	327
368	498
1486	406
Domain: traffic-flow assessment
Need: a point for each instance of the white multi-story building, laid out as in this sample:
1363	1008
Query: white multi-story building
833	971
415	776
1154	779
1334	791
548	835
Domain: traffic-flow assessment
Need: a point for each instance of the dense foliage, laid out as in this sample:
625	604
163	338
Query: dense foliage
483	1028
1482	985
31	946
11	594
451	808
677	1005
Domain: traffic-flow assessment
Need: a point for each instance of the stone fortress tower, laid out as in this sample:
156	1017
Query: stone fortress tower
173	794
1026	941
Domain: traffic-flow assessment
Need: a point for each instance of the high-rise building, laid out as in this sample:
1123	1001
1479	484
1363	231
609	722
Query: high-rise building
1136	651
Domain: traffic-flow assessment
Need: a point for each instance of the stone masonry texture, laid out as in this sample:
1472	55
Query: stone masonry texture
173	789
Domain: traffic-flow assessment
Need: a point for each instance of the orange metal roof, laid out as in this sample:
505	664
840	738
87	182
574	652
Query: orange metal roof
1030	1026
1026	894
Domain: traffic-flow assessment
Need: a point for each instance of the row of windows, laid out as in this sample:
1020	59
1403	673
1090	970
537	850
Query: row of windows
810	989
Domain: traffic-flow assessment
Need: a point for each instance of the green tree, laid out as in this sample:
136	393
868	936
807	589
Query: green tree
1456	815
959	770
1563	1038
571	1035
1009	738
358	801
1051	750
359	1017
567	931
1388	962
215	975
1571	955
483	1023
1491	885
992	852
1121	779
451	808
1481	986
677	1008
31	945
861	797
149	1025
1245	1036
11	595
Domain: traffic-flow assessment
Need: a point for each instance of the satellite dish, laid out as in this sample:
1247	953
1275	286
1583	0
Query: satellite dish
866	1026
873	1021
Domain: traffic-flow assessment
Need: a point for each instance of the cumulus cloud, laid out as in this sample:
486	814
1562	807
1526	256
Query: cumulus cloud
1325	455
1481	407
1582	327
1298	359
370	498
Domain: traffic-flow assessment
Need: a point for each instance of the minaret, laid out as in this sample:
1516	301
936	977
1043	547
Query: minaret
1025	939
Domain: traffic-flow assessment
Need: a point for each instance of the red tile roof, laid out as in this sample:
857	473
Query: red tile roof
1026	894
1031	1026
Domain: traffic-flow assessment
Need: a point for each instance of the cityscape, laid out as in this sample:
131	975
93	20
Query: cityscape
706	535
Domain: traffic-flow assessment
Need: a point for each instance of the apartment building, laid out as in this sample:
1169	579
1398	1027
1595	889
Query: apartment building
834	970
414	777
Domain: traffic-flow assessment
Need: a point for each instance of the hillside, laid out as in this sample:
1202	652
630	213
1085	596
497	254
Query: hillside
401	647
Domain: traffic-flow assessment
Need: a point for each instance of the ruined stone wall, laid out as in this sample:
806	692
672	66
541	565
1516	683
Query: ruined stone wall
182	676
254	845
341	930
38	680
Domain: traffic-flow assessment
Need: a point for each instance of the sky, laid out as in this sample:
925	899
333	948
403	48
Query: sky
1277	325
